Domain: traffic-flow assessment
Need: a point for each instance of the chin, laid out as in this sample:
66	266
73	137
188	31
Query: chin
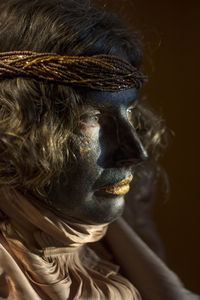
107	210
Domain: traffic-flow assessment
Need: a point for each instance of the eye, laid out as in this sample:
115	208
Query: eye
130	111
91	119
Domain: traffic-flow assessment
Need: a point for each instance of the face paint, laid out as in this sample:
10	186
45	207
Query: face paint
108	148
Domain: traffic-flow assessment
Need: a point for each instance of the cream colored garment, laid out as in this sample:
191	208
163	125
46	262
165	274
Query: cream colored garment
43	256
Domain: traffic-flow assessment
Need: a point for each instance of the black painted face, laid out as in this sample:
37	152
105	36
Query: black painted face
107	148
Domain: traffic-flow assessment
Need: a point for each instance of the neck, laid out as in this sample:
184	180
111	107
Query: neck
40	229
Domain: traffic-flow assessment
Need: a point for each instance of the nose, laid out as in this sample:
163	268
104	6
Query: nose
130	150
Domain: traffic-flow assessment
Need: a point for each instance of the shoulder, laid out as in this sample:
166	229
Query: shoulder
2	256
7	262
191	296
3	273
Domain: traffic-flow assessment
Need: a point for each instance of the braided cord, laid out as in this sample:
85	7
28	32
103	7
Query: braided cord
98	72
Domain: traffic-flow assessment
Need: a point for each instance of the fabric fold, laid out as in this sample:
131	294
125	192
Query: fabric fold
46	254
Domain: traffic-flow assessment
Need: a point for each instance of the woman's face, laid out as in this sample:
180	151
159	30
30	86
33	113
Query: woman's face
107	150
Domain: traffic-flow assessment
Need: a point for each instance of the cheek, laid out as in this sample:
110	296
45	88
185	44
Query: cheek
89	144
88	154
87	169
88	147
85	150
89	138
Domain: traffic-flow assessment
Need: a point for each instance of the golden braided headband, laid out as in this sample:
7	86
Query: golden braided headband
98	72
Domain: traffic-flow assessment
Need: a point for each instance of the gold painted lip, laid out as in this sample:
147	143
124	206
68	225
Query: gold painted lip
120	188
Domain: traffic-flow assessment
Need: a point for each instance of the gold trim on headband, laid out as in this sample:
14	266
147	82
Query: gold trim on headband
98	72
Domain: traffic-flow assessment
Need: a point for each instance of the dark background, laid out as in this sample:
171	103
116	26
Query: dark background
172	50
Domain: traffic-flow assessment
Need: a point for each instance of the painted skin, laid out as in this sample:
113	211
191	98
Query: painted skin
107	150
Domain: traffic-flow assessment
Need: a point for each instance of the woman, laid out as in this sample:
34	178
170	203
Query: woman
72	134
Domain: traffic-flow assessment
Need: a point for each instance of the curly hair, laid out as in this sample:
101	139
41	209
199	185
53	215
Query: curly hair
36	118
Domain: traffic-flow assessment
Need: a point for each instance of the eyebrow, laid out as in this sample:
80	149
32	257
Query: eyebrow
106	105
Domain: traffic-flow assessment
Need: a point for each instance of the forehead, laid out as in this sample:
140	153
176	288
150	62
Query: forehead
110	99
